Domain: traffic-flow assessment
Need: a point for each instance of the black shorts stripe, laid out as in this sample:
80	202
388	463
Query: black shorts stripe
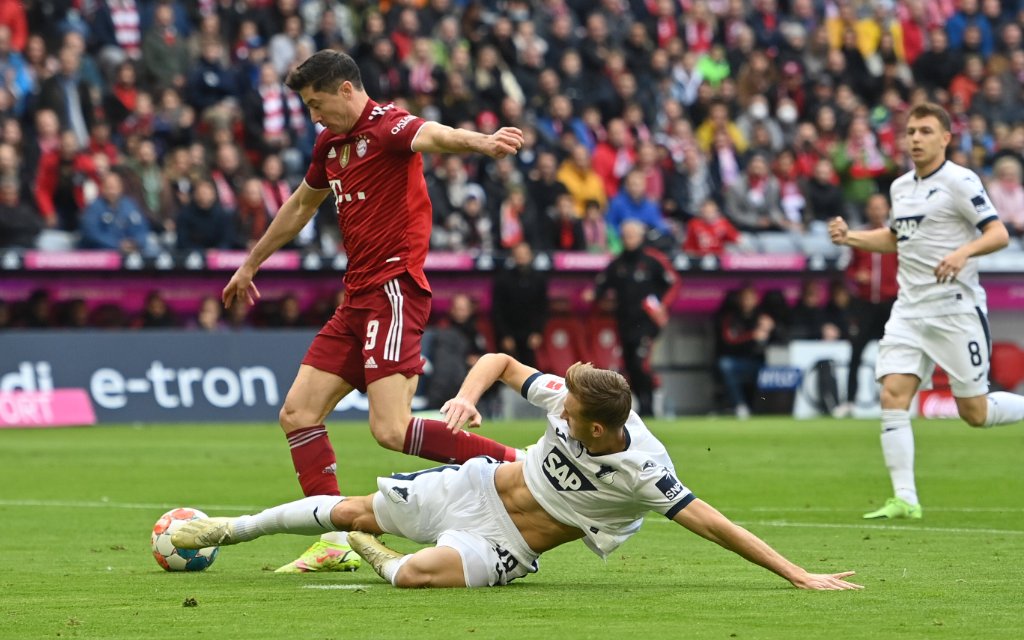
984	326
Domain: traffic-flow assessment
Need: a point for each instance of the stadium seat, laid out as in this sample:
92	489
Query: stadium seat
1007	365
56	240
563	345
603	342
777	242
816	245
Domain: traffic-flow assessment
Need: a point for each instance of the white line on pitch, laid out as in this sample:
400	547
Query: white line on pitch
338	587
839	510
109	504
883	527
909	527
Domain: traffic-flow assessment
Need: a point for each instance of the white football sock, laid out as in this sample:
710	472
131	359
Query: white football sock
337	537
390	568
898	451
1004	408
308	516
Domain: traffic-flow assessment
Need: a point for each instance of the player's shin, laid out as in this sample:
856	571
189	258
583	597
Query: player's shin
431	439
898	450
1004	408
314	461
309	516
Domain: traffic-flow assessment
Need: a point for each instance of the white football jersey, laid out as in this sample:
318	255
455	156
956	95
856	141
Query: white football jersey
932	217
606	495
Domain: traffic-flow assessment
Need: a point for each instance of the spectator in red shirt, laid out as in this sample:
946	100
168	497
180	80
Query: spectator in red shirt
12	15
708	233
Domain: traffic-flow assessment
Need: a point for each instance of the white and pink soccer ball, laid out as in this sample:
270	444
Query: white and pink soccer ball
172	558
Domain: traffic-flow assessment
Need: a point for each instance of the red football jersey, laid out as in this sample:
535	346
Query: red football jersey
384	212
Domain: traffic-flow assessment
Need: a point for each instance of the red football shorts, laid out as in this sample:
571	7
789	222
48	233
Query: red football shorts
374	334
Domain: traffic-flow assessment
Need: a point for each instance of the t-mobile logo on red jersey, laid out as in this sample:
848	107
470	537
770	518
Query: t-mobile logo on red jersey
340	196
380	110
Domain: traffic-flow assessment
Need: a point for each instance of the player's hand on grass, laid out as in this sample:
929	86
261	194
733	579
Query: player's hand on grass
240	287
825	581
838	230
505	141
950	266
461	414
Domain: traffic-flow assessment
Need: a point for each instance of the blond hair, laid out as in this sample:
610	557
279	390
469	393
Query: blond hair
604	396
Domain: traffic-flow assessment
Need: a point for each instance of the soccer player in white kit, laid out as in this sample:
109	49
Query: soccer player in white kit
594	474
939	317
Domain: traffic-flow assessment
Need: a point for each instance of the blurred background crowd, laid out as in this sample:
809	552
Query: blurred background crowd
150	126
144	125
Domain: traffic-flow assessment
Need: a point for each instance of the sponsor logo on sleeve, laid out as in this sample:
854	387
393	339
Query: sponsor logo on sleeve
669	486
606	474
981	203
402	124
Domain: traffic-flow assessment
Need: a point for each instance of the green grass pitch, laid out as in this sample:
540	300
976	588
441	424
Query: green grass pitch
77	505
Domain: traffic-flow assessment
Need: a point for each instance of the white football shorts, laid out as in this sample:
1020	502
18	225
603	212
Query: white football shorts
959	343
458	507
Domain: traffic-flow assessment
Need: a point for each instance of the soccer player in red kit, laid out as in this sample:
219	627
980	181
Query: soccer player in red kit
368	159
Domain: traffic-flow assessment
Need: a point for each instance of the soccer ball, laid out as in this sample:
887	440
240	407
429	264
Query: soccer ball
172	558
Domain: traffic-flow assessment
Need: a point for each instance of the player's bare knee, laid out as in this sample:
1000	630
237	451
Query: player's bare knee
974	417
388	434
292	417
345	514
286	417
891	399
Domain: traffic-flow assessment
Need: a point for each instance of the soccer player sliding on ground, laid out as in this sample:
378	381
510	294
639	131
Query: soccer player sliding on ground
594	474
368	159
940	315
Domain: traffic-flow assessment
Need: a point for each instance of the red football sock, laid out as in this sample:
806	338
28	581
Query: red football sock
432	440
313	457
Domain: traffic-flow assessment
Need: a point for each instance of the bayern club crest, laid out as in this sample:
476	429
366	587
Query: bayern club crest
362	142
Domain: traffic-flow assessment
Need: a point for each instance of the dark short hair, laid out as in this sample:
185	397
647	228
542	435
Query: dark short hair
925	109
325	71
604	395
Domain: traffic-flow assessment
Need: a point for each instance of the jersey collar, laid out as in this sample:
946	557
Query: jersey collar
937	169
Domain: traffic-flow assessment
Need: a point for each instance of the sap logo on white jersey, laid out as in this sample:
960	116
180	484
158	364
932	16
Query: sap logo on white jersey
402	124
380	110
563	475
905	227
671	487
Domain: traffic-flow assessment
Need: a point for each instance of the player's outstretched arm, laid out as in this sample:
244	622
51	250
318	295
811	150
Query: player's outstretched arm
876	240
290	219
434	137
707	522
460	412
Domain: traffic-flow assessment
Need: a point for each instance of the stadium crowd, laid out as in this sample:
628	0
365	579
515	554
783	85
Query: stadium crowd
145	125
164	125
